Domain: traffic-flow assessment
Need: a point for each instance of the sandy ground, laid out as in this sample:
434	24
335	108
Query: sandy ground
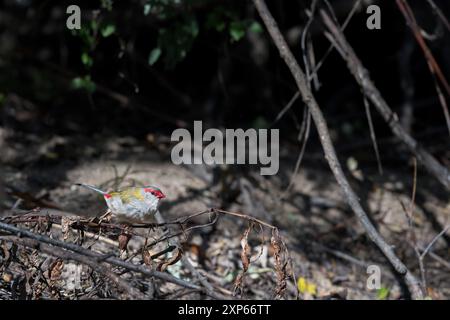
328	247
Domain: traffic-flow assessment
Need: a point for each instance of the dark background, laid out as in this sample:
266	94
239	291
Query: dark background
75	104
218	81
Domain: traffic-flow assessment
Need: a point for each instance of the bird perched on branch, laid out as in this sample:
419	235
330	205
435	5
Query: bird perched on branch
135	203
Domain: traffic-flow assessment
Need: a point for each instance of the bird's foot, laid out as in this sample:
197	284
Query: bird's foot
106	217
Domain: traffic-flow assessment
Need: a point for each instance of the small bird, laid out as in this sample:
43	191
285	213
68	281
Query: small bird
134	203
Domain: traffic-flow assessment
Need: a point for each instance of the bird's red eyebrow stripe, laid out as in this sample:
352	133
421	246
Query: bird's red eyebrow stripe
148	190
107	196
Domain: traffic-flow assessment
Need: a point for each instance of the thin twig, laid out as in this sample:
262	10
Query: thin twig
244	216
373	136
344	25
436	238
440	14
307	126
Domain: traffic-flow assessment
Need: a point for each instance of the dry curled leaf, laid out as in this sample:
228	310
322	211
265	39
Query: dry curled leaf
65	227
7	277
245	258
174	259
44	224
238	283
147	257
5	257
279	251
245	253
55	270
124	238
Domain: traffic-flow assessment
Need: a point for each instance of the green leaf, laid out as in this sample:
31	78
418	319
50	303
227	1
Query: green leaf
154	56
176	41
77	83
383	293
255	27
220	26
108	30
83	83
237	31
147	8
191	28
86	59
94	25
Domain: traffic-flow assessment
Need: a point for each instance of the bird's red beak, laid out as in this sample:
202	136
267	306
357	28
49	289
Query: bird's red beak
161	195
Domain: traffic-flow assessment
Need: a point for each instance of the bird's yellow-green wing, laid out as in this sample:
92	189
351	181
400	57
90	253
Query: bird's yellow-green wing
129	194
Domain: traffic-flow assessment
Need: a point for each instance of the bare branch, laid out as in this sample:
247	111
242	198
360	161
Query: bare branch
328	147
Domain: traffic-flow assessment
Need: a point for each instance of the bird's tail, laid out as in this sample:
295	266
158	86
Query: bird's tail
87	186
